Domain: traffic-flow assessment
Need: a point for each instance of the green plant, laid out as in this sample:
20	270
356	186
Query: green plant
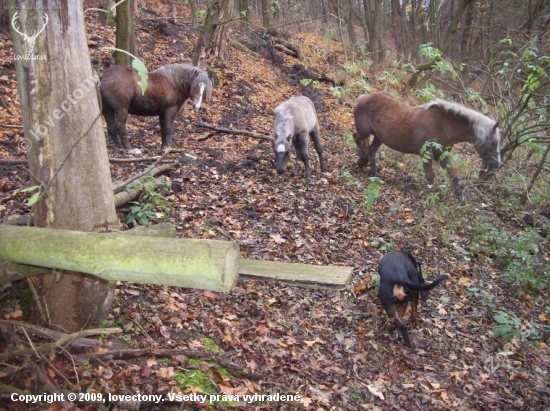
309	82
210	346
440	63
345	175
481	294
523	262
436	194
340	92
152	204
372	192
516	253
34	198
428	93
382	245
429	148
510	326
347	138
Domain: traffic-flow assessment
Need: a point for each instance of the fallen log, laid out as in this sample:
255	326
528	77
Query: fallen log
160	259
14	271
204	264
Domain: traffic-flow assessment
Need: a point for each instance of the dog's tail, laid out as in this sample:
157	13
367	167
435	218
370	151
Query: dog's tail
423	286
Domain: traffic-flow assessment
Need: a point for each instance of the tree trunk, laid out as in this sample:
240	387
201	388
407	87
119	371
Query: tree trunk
266	14
125	34
212	39
375	35
68	156
244	9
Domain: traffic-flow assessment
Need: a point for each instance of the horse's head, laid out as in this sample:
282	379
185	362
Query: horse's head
488	149
196	94
283	137
281	148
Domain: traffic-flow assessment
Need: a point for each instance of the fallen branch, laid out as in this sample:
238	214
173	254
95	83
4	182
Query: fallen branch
168	352
139	184
233	131
138	160
51	334
289	49
121	197
10	125
13	162
119	187
61	342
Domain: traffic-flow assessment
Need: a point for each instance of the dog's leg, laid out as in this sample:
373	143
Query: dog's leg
396	316
414	308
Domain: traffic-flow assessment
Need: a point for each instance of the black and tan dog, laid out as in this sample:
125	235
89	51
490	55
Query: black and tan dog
401	281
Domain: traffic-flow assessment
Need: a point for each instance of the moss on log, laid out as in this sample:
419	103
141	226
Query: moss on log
204	264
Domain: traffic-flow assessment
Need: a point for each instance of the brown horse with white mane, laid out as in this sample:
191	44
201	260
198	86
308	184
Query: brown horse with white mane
406	129
168	88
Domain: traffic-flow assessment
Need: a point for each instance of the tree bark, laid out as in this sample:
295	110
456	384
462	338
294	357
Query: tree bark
68	156
267	18
212	39
125	34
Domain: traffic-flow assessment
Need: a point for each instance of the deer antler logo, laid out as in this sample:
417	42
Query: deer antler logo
30	40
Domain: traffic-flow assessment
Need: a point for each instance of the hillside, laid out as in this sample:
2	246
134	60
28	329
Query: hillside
332	348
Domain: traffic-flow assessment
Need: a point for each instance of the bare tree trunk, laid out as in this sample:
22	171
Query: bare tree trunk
374	33
212	39
125	34
244	9
266	14
466	37
193	6
68	156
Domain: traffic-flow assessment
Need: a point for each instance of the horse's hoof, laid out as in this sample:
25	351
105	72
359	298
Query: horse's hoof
134	151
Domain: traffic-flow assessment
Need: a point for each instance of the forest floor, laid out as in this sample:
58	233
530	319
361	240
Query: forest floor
332	348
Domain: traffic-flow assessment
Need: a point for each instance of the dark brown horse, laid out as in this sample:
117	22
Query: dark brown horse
406	129
168	88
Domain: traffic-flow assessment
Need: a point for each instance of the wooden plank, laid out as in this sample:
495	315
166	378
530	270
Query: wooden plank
316	276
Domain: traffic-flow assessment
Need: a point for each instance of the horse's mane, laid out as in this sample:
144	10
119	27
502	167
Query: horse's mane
183	76
282	117
483	125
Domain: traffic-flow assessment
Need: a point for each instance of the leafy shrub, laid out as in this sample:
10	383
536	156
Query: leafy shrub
516	253
510	326
152	205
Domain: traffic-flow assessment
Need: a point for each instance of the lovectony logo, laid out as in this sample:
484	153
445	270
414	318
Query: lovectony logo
30	39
